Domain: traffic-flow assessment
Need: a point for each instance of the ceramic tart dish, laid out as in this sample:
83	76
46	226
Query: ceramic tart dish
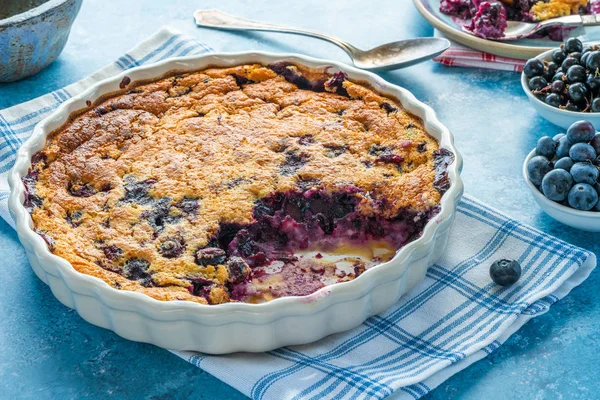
235	202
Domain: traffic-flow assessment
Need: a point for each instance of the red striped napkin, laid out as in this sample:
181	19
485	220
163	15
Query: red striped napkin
461	56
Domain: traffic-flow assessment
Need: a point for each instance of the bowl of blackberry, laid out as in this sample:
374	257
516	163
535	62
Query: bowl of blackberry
563	84
563	174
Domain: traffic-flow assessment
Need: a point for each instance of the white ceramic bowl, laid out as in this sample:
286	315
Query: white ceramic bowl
562	118
231	327
584	220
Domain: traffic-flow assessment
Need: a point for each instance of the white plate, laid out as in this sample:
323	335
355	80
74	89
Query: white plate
232	327
522	49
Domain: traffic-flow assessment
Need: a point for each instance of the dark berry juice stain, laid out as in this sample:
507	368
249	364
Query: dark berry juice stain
237	182
378	149
291	74
335	84
293	162
442	158
32	200
241	80
390	158
137	192
303	184
47	238
136	269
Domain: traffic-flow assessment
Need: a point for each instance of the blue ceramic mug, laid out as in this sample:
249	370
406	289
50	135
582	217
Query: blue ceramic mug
32	34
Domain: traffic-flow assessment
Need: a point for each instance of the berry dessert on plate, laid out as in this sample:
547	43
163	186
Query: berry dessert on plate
235	184
487	19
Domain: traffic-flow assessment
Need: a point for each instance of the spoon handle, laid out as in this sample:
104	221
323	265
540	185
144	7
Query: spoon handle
220	20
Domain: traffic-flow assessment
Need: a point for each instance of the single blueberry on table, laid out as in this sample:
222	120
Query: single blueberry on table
505	272
581	131
584	172
583	197
533	67
546	147
564	163
556	184
564	144
582	152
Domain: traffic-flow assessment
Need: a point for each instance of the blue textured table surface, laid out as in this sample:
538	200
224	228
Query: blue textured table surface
47	351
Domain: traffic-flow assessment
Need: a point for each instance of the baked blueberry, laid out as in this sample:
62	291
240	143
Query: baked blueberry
210	256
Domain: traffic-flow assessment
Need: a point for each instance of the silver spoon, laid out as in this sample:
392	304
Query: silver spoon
520	30
388	56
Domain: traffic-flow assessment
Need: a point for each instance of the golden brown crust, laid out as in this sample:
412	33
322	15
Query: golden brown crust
203	138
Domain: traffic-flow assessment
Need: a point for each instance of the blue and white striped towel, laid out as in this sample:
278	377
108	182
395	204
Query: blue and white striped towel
455	317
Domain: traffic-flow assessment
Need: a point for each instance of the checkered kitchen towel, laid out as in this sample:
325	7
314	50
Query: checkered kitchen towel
455	317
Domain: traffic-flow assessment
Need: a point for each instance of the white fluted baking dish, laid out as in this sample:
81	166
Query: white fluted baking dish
231	327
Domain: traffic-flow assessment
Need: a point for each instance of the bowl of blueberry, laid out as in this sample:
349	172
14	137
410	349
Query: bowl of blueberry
563	84
563	174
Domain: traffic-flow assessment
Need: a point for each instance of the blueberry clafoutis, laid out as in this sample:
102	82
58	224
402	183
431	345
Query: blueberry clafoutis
239	184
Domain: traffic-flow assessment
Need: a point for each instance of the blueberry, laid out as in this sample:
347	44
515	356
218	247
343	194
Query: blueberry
564	144
557	87
138	192
210	256
537	167
584	57
557	136
593	61
593	83
576	73
564	163
559	55
171	247
553	100
537	83
112	252
596	104
595	143
584	172
568	63
583	197
546	147
505	272
551	69
573	45
576	55
293	162
581	131
577	92
238	270
571	107
533	67
559	76
136	269
556	184
582	152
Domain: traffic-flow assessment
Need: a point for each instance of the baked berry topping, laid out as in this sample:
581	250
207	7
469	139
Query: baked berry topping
335	84
188	205
335	150
47	238
306	140
74	218
442	158
293	162
390	158
136	269
238	270
160	214
124	82
171	247
112	252
291	74
137	192
422	147
388	108
210	256
78	189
